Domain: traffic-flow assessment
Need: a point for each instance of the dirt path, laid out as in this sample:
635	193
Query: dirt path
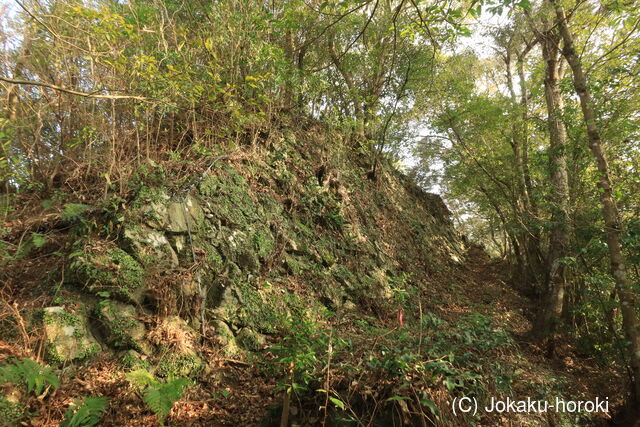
567	375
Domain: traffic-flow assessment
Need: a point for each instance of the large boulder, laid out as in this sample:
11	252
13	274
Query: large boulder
121	327
103	268
67	336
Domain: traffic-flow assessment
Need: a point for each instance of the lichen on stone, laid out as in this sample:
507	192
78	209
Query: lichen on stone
150	247
67	337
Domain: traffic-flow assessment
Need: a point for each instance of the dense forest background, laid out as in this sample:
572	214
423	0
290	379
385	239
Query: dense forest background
533	141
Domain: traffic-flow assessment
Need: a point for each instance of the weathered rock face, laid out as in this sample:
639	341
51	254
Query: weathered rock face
249	243
108	270
67	336
151	245
123	331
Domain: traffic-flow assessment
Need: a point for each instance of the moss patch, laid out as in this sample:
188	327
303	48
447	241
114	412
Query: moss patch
10	412
108	269
174	365
132	360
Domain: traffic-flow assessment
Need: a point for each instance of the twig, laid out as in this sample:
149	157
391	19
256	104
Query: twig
420	341
327	384
236	362
284	418
70	91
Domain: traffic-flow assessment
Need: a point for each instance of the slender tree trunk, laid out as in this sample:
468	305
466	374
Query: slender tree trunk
551	311
12	111
534	254
525	135
612	222
524	207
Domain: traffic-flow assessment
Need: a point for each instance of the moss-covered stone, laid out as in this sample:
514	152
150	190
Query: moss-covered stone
250	339
226	339
319	234
132	360
157	210
121	327
344	276
230	196
184	216
174	365
151	247
258	307
263	242
214	259
109	269
67	336
150	207
293	265
239	249
10	412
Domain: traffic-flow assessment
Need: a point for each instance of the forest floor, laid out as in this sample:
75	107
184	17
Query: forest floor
236	392
578	376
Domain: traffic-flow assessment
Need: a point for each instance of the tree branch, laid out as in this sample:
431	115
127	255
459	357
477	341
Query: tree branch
69	91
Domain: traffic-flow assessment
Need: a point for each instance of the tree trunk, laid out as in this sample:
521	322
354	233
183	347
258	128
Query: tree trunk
11	113
551	311
610	213
352	89
525	208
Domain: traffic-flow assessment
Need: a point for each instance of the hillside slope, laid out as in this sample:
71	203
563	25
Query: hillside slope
278	277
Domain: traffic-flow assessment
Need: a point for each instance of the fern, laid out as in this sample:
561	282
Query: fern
85	413
159	396
35	376
73	211
141	378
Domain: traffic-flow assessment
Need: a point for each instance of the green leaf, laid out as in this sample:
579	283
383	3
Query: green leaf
160	398
35	376
38	240
431	405
525	4
73	211
141	378
339	403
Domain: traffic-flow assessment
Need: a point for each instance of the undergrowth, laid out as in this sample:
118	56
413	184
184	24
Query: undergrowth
158	395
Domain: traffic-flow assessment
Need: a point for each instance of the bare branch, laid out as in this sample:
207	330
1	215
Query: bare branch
71	92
